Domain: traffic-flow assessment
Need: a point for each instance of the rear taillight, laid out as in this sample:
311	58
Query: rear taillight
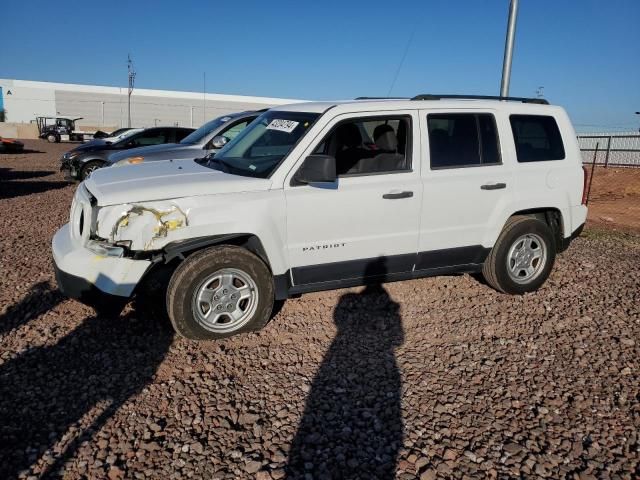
584	185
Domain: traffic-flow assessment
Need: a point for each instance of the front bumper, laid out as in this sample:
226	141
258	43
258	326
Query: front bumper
70	169
92	278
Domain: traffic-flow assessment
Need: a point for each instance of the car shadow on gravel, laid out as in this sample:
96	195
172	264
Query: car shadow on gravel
24	151
16	183
54	397
40	298
352	424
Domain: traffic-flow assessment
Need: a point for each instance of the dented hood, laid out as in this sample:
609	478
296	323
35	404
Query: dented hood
165	180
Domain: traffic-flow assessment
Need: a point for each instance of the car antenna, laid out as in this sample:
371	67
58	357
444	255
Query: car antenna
404	56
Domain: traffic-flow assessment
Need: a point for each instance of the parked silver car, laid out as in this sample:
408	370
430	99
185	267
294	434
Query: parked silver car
209	138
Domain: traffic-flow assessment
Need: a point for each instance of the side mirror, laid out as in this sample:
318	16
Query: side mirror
219	141
317	169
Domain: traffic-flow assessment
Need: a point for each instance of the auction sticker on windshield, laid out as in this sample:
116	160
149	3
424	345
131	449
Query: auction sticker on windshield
282	125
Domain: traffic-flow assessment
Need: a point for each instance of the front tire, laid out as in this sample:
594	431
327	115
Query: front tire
522	257
219	292
52	138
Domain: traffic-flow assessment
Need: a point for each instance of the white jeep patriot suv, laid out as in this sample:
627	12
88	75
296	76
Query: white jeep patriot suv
317	196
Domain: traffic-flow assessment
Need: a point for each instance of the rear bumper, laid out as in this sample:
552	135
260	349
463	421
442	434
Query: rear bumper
578	216
567	241
92	278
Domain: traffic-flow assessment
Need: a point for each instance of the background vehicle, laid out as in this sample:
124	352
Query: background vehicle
326	195
115	137
207	139
10	145
57	129
80	162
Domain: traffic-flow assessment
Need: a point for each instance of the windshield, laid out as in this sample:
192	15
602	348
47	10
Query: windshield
260	147
123	135
118	132
197	135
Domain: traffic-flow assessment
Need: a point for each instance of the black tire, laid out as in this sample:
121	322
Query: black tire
196	269
53	138
496	267
89	168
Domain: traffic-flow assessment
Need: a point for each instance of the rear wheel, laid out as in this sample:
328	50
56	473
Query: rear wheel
89	168
522	257
218	292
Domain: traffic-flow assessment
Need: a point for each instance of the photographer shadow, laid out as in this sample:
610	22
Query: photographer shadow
352	424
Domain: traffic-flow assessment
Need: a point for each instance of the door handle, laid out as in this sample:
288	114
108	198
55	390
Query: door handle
493	186
395	196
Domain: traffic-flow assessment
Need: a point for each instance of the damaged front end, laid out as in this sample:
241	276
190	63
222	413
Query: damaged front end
139	227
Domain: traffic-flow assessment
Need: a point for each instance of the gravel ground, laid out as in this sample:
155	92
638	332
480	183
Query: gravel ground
433	378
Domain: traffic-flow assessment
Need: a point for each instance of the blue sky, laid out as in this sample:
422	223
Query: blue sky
585	53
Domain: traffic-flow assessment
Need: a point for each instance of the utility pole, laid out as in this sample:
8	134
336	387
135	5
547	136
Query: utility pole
508	48
132	77
204	97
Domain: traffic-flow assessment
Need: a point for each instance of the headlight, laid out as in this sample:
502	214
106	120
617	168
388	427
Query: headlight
129	161
70	155
104	249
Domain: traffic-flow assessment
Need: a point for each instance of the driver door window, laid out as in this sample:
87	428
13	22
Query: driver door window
367	146
234	130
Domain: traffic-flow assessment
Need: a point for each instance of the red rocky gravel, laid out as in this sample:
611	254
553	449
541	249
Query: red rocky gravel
433	378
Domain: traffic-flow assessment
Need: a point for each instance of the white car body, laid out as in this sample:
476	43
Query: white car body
307	233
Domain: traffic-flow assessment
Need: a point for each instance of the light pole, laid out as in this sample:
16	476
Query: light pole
508	48
132	77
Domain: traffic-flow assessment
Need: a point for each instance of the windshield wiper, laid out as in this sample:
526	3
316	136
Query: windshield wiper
225	166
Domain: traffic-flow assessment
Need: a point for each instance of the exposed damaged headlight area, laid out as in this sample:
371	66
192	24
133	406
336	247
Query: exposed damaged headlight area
140	226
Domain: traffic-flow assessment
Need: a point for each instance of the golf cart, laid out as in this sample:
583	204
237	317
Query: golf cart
56	129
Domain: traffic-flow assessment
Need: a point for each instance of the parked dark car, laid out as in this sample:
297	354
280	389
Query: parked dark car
206	140
84	159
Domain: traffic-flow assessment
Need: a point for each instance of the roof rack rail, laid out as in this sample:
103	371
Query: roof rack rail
382	98
540	101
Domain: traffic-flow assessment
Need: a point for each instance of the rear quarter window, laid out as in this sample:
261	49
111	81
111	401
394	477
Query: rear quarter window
537	138
180	134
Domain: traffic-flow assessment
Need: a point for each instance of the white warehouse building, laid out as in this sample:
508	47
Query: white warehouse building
98	106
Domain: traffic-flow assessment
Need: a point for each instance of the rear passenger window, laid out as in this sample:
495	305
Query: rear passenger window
368	146
180	134
537	138
463	140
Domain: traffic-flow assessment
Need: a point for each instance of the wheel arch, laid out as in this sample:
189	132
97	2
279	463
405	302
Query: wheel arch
552	217
183	248
82	161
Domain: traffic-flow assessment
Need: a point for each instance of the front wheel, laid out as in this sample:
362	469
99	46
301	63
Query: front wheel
52	138
218	292
522	257
89	168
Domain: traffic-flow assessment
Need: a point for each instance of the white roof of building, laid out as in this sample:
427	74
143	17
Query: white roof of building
141	92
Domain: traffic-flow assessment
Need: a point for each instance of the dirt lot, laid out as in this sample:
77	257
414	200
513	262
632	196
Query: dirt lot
614	202
433	378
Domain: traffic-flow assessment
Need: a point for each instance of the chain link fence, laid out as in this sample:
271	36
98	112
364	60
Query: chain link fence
613	184
619	149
